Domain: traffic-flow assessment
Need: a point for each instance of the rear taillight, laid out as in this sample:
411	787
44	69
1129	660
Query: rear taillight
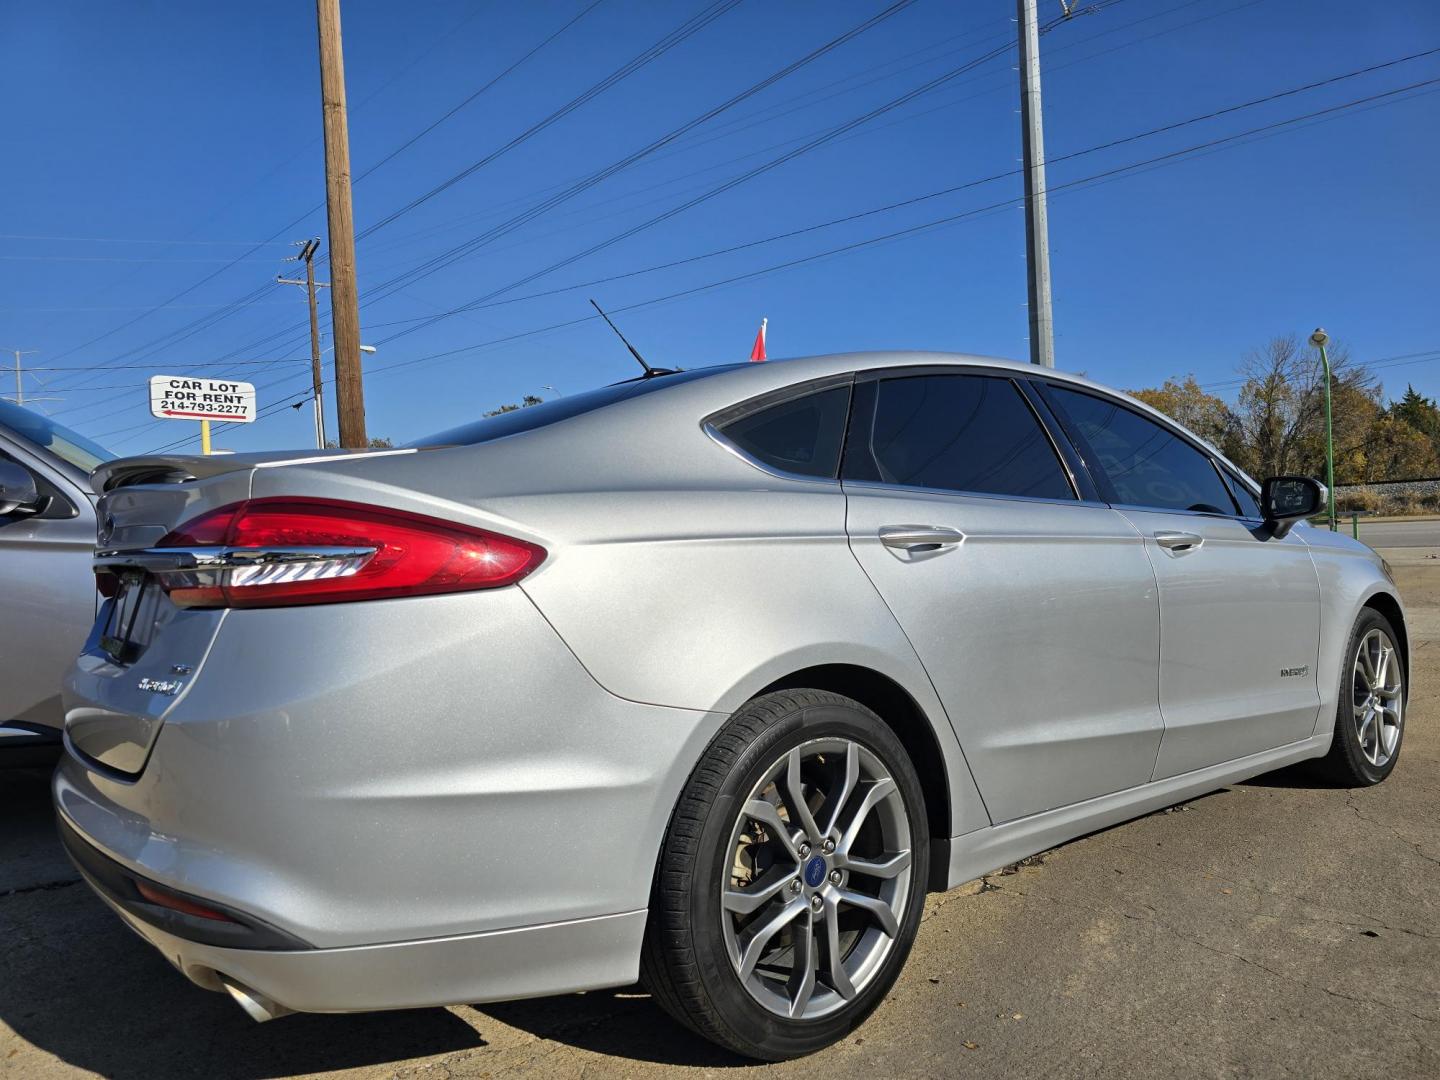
278	552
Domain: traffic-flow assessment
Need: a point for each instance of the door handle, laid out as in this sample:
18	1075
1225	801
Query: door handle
1179	542
919	538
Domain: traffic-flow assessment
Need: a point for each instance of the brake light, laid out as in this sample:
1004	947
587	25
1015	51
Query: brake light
280	551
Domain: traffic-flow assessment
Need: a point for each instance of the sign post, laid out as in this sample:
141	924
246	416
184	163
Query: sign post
181	397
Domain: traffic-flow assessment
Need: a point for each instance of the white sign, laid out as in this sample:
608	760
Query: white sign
180	397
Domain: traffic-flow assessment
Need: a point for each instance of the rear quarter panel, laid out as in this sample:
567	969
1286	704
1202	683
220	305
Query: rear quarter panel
678	574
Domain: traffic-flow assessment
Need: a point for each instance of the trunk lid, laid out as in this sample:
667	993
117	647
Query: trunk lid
144	652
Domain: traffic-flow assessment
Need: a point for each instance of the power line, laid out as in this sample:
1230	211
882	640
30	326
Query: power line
445	258
292	224
1106	175
485	299
1060	158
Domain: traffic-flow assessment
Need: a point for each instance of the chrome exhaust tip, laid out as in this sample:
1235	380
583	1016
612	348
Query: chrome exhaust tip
256	1005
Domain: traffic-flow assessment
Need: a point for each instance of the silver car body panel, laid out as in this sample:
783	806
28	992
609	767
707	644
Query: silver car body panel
1066	668
1240	633
385	780
408	727
47	597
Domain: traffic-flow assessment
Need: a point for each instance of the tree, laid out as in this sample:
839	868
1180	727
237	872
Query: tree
1281	414
525	403
1421	413
377	442
1395	450
1191	407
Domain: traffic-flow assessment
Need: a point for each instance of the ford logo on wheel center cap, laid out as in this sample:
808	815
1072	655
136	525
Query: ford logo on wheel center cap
815	872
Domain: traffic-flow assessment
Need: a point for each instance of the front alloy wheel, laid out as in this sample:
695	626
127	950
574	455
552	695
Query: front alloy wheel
1370	717
1377	689
792	877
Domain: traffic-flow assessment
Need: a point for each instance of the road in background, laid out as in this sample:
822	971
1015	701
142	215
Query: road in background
1274	928
1424	532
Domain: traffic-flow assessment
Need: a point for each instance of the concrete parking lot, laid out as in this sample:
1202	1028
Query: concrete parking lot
1275	928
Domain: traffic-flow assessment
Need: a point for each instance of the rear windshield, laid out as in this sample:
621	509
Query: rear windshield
562	408
48	435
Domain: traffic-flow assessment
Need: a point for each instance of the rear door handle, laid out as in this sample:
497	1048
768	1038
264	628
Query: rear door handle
1179	542
919	538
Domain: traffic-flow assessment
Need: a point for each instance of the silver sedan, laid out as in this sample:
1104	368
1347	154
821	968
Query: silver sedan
706	678
47	592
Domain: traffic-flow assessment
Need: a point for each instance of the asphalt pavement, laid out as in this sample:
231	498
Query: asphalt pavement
1420	532
1276	928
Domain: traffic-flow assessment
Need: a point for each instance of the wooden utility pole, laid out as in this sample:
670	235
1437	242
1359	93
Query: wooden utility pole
344	299
307	256
1037	224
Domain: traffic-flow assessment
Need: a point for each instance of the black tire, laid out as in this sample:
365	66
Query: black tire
1346	764
686	964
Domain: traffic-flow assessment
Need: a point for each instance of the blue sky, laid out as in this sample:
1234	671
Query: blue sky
151	145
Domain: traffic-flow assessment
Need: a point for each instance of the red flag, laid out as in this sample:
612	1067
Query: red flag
757	351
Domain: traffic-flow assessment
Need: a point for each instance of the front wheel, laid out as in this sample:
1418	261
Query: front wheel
1370	717
792	877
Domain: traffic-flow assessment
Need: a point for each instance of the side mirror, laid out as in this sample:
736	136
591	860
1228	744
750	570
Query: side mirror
17	489
1287	499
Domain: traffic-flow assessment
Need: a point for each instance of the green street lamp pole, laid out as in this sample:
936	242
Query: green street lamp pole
1320	339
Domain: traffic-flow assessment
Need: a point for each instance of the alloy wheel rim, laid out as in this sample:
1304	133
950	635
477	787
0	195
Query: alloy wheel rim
818	879
1378	697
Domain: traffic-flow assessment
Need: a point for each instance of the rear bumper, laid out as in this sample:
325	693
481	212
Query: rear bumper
430	800
498	965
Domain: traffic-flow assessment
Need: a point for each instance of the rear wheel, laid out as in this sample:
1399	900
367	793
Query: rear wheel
1370	717
792	878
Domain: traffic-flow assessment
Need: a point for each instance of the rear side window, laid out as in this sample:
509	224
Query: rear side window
802	435
1145	463
970	433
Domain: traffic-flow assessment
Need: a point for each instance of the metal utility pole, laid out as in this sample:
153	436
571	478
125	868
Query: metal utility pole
307	256
344	299
1037	227
19	377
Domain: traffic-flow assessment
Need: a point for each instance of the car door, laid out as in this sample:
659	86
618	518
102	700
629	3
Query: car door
1239	609
1031	604
47	592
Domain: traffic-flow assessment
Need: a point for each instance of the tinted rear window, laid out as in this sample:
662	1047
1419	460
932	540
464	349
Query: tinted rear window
802	435
563	408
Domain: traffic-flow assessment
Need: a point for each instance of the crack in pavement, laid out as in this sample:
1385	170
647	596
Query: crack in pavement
44	886
1230	954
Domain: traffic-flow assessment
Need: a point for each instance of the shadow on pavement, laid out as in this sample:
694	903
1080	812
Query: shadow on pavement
622	1023
75	983
1292	776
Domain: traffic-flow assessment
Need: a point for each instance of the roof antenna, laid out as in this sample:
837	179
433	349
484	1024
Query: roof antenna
650	372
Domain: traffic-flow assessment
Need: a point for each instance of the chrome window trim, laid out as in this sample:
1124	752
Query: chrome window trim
905	489
711	424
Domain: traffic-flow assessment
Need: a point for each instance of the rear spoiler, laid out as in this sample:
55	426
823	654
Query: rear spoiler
179	468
